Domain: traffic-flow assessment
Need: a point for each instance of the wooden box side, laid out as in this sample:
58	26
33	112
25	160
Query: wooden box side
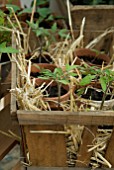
98	18
5	78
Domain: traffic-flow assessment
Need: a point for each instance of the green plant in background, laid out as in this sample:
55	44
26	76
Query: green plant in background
7	49
44	24
60	76
4	35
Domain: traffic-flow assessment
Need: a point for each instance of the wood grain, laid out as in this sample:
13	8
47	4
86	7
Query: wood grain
61	117
46	150
6	143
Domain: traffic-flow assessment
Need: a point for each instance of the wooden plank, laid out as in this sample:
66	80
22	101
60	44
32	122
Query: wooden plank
66	168
98	17
46	150
13	97
61	117
5	82
6	143
83	156
109	155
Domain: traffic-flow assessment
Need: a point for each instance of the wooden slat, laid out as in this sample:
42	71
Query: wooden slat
61	117
19	167
66	168
110	150
46	150
5	82
6	143
13	97
98	17
83	156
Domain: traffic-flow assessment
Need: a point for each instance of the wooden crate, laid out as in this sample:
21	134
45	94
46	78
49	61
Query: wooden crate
49	150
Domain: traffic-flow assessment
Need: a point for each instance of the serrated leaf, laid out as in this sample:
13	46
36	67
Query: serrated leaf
87	80
103	83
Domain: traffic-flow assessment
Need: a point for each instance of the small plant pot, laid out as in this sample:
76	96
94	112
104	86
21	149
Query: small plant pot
94	96
91	57
53	100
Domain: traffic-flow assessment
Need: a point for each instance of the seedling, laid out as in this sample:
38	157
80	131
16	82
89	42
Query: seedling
59	75
105	77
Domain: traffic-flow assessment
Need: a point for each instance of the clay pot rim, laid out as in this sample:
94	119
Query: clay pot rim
34	67
89	52
66	87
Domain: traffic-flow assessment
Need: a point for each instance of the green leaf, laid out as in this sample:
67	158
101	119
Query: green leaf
44	12
15	7
54	27
8	50
72	74
26	10
70	67
87	79
103	83
50	18
80	91
2	45
44	78
34	26
63	33
58	71
42	2
63	81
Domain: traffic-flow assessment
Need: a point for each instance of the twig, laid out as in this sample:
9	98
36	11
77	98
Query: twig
70	20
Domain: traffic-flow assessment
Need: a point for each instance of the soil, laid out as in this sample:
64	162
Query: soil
4	58
53	91
93	60
41	59
35	74
94	95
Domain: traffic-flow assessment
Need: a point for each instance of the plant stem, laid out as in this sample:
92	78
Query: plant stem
104	95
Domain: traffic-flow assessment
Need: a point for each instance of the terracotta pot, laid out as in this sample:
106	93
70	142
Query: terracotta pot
53	101
91	57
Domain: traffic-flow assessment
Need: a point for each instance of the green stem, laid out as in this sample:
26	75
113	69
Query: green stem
104	95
